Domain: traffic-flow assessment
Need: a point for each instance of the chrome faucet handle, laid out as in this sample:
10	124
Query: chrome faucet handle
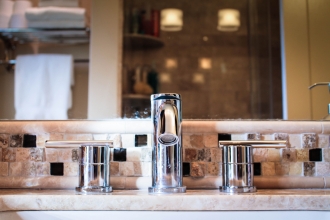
320	84
94	164
327	117
256	144
237	164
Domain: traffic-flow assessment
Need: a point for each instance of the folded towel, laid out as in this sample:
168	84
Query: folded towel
58	3
55	13
43	86
56	24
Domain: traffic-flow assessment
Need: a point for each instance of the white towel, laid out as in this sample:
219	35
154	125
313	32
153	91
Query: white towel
56	24
58	3
55	13
43	86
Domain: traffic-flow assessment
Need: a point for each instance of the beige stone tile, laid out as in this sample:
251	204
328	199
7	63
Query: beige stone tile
37	154
41	139
323	141
296	169
84	137
114	168
289	155
211	140
197	169
75	155
281	136
268	168
239	137
43	168
71	137
322	168
146	154
302	155
288	182
70	169
4	168
15	169
8	154
216	155
259	154
186	140
137	183
133	154
29	169
64	155
100	137
268	137
308	140
56	136
126	169
295	140
128	140
254	136
23	154
309	168
273	155
282	169
117	140
197	141
142	168
204	155
213	169
51	155
190	154
4	140
16	140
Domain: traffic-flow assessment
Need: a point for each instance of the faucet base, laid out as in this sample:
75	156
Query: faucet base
94	189
238	189
165	190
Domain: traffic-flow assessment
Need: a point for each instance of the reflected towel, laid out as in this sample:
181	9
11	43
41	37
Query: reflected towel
56	24
55	13
43	86
58	3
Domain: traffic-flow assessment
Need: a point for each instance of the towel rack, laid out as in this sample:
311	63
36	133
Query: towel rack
11	37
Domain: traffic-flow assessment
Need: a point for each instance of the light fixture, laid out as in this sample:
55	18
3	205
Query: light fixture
171	19
228	20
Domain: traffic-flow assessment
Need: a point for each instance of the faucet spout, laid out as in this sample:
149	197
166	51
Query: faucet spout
167	127
166	144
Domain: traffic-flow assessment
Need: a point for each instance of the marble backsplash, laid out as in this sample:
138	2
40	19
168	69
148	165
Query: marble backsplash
26	163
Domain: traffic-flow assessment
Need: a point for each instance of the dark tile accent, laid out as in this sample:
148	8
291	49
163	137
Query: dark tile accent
29	140
315	154
257	169
56	169
309	168
186	169
141	140
224	137
75	155
119	154
16	140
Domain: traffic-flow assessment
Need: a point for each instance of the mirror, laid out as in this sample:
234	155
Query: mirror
242	68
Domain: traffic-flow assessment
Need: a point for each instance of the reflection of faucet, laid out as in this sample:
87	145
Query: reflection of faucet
323	84
167	144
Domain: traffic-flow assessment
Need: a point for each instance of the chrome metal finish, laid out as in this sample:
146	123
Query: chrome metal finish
94	164
166	144
94	169
237	164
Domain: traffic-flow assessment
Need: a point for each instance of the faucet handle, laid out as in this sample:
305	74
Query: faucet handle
63	144
260	144
320	84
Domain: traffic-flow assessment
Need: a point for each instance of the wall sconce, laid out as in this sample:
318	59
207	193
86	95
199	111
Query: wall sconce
171	19
228	20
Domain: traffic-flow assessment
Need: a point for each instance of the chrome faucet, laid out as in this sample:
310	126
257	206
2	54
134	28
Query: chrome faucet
166	144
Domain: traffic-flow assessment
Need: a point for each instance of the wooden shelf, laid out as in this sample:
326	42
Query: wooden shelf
135	96
139	41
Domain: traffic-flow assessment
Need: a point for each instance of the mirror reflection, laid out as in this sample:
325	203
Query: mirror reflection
223	57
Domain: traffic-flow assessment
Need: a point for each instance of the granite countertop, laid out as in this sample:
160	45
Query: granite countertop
198	200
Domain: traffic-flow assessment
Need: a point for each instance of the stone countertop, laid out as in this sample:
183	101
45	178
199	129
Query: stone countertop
197	200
